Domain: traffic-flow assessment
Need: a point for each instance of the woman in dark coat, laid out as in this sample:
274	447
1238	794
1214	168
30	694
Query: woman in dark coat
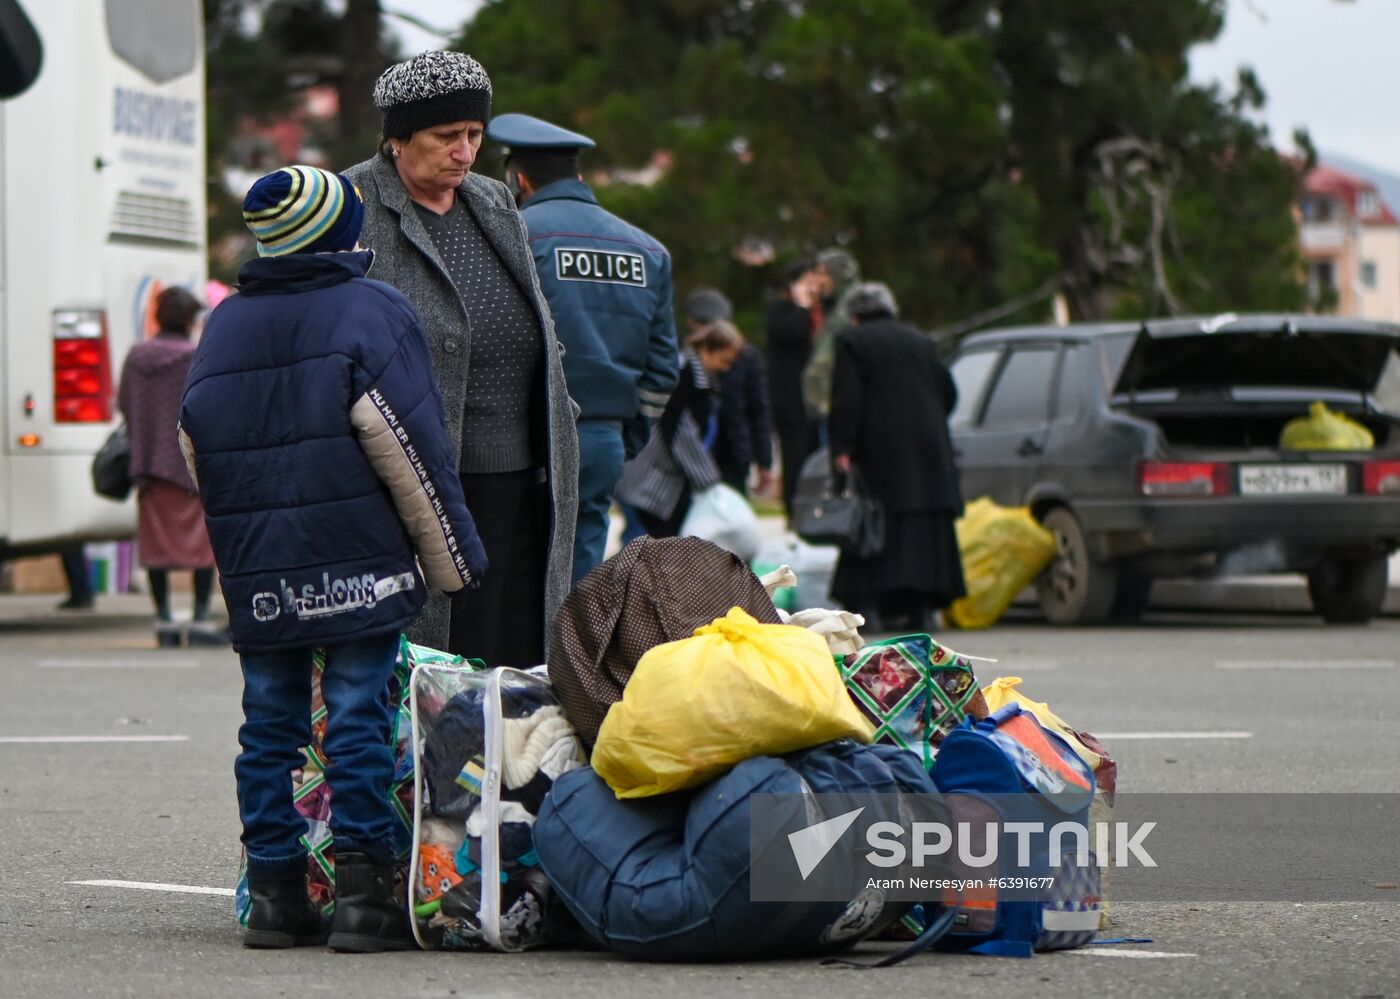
890	401
169	519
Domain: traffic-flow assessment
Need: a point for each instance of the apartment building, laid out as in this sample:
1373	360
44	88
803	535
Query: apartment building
1351	245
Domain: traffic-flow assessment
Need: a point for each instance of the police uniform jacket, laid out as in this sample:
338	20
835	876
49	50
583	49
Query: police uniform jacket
608	284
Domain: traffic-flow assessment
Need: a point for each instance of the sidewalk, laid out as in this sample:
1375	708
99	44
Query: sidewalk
1243	594
112	608
1261	594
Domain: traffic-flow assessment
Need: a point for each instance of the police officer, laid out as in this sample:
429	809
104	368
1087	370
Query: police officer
609	287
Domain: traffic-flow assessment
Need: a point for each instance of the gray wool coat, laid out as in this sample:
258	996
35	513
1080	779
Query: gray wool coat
404	256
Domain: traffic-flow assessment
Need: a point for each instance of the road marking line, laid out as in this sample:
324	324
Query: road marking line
94	738
1305	664
155	886
1174	735
1105	952
117	664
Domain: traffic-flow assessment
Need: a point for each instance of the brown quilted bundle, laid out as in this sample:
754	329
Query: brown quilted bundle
653	591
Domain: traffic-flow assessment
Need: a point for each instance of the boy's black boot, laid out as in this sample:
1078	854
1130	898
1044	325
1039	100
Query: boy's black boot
368	918
282	915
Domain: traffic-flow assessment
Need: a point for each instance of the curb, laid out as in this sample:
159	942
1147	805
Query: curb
1258	594
40	610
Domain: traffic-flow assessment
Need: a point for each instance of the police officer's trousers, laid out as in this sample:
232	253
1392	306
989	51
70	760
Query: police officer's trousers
600	459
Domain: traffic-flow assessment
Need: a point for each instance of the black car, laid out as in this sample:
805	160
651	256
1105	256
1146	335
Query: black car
1152	449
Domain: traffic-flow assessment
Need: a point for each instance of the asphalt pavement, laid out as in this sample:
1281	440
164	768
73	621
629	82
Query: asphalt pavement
1185	701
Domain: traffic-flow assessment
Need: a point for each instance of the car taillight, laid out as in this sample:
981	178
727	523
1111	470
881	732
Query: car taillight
1183	478
82	367
1380	477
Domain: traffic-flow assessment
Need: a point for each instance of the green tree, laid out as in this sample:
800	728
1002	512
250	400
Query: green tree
968	151
261	54
794	125
972	153
1155	195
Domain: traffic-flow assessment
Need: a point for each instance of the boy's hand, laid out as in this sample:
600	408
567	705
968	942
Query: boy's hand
477	562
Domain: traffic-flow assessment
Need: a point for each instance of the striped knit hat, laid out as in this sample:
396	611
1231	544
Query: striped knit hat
303	209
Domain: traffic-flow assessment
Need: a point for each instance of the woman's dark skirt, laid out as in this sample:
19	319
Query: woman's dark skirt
919	568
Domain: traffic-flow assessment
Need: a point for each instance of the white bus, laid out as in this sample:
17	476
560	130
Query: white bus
102	205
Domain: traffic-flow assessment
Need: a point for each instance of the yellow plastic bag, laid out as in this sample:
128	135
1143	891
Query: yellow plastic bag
1003	549
1002	691
736	689
1324	430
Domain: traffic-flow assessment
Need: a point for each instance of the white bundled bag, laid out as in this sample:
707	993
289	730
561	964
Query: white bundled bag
722	516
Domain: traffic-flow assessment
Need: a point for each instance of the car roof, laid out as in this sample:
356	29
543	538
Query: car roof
1228	322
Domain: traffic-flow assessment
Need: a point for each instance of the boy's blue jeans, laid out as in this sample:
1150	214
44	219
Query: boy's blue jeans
360	767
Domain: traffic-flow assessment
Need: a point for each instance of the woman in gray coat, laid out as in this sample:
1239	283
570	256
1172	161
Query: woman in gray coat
454	244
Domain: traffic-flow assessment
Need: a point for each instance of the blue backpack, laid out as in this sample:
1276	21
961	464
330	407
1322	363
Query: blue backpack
1010	767
668	878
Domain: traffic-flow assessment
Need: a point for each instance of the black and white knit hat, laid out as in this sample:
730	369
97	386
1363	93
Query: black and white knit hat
431	89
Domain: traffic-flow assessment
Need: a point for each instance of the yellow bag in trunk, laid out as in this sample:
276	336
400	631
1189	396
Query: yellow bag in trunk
1324	430
736	689
1002	549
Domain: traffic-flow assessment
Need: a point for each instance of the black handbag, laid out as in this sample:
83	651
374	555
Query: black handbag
111	468
831	509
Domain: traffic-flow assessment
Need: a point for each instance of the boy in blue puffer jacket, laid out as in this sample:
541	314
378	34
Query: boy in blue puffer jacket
314	429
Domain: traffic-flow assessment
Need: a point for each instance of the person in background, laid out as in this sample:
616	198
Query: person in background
75	573
890	401
791	323
452	241
744	438
77	577
676	463
608	284
170	527
837	274
314	429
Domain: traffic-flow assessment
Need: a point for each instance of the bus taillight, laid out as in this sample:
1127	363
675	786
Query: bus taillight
82	367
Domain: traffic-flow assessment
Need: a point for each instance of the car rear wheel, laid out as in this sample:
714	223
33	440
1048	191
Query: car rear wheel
1349	590
1074	589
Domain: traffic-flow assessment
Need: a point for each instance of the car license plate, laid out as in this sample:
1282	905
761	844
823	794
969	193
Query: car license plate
1293	480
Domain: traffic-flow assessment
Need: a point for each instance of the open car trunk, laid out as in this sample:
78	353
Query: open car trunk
1233	383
